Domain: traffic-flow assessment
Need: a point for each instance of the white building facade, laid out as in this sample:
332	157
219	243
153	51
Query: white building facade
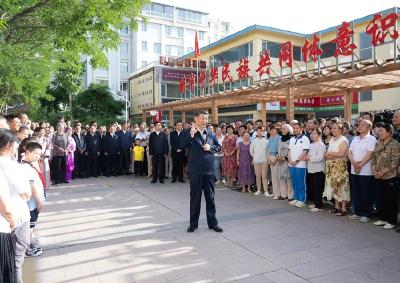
168	31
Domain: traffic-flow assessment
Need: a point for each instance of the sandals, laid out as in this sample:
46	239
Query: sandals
334	211
342	213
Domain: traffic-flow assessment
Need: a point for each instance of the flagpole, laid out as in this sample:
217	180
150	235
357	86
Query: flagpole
197	65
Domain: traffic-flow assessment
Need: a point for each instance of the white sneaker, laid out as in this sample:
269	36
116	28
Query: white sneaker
389	226
364	219
314	209
354	217
300	204
267	194
379	223
276	197
257	193
223	181
311	206
293	202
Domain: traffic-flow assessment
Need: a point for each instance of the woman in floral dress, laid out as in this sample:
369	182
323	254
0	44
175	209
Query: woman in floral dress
244	161
337	176
229	164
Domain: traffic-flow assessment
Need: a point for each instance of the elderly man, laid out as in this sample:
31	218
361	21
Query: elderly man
362	181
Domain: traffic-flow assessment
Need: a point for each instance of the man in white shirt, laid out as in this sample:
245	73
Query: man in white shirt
298	148
361	178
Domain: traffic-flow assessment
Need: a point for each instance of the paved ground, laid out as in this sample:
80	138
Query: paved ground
126	230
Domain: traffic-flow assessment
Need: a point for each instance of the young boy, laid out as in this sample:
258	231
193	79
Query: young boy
33	152
138	157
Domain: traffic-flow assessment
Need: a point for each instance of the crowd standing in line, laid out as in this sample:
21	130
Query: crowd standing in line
355	168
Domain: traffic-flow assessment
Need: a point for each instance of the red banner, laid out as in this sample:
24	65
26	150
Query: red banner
322	101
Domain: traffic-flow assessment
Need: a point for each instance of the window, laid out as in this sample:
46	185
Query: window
144	46
297	53
144	63
124	46
328	49
174	31
365	46
366	95
201	35
124	67
234	54
274	48
180	51
173	50
190	16
123	86
189	50
157	48
144	27
125	30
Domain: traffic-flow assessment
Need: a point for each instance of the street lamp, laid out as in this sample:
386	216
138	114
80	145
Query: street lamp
127	102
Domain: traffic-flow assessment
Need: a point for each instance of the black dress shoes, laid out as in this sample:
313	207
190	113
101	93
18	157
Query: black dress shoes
161	181
191	229
173	181
217	229
182	181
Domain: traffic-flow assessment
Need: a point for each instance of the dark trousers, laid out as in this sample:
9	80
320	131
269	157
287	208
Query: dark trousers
177	165
362	194
145	167
389	191
102	164
199	184
124	161
158	167
138	167
59	169
79	160
112	165
317	185
309	191
91	165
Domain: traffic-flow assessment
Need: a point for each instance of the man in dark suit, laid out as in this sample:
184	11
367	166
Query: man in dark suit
111	152
92	152
201	145
177	153
125	142
79	154
158	150
102	168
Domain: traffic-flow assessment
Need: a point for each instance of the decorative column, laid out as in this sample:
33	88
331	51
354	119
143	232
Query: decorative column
290	104
347	106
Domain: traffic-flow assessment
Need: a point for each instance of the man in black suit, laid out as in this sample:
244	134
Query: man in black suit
79	154
102	168
158	150
125	141
111	152
202	145
92	153
177	153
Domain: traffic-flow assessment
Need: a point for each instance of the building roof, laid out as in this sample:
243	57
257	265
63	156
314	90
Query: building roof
281	31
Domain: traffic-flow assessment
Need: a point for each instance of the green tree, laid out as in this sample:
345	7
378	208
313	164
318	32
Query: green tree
97	104
38	37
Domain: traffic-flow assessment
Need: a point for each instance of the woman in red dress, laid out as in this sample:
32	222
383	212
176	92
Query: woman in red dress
229	165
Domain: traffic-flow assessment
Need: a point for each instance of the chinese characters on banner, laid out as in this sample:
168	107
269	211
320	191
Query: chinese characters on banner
226	73
311	50
380	27
343	40
263	64
286	55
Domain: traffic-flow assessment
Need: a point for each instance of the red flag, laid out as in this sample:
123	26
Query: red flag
196	47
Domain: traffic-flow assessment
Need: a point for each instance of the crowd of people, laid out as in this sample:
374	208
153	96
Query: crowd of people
355	167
